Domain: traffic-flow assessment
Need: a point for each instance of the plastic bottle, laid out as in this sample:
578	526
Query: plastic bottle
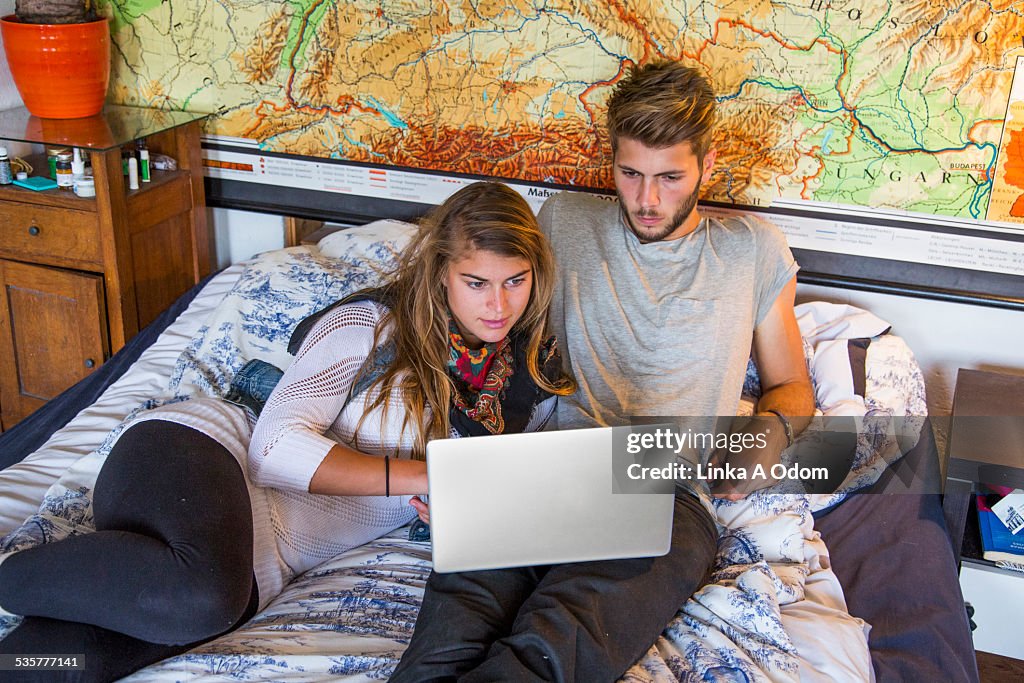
144	165
5	168
77	165
133	174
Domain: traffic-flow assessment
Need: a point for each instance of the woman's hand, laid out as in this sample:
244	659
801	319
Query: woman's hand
422	509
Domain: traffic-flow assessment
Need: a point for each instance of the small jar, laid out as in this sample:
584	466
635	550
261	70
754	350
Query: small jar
65	178
6	177
51	158
85	186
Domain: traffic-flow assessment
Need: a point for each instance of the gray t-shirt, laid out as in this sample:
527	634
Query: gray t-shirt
658	329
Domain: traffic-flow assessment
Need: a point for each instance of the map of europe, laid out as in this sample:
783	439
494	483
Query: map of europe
901	104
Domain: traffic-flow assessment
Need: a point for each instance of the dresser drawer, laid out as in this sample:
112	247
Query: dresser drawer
57	236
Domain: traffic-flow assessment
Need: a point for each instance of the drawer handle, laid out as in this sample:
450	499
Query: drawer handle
90	363
33	230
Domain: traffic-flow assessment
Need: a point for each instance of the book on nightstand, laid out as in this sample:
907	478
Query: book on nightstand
997	541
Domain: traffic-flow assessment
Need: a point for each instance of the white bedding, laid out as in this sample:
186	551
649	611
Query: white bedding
774	611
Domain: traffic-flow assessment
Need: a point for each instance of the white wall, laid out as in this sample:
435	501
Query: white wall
242	234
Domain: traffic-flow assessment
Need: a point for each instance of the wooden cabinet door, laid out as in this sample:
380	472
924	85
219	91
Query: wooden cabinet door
53	333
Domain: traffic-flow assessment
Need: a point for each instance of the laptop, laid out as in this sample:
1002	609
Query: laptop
515	500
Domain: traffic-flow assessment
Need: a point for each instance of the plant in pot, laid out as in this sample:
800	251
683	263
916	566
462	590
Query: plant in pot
58	52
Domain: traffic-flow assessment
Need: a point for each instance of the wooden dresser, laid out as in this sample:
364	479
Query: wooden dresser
81	276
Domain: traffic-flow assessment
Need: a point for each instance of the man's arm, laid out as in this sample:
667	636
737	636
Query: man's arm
785	387
779	356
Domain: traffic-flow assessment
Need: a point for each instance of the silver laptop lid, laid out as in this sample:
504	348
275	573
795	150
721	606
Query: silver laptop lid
539	498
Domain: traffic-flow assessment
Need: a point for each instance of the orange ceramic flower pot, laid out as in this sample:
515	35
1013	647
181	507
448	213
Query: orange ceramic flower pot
61	70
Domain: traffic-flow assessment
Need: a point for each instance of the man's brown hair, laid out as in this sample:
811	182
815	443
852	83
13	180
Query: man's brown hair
662	104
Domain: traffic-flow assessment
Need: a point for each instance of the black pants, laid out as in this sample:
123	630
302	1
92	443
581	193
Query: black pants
586	621
169	566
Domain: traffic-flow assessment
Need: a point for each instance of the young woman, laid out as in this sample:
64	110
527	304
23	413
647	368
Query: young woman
189	545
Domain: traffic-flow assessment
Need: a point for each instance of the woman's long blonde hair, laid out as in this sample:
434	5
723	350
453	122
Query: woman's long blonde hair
488	216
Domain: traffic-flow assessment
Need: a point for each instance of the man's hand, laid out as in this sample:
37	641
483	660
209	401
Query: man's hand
422	509
766	440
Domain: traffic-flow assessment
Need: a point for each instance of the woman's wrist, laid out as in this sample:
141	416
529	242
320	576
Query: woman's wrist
407	477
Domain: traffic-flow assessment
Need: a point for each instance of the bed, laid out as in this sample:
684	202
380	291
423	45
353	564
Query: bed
799	576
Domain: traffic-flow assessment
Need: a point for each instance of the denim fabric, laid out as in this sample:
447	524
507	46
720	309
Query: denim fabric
419	531
252	385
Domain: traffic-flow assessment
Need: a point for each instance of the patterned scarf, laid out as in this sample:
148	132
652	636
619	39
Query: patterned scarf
481	378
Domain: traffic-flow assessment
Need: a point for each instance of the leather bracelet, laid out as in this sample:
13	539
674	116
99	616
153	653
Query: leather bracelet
786	426
387	477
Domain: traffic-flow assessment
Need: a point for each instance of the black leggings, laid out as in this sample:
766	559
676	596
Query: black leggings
169	566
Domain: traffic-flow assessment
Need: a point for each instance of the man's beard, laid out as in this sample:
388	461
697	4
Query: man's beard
678	218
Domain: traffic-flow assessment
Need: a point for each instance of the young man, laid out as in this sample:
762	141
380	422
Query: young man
658	310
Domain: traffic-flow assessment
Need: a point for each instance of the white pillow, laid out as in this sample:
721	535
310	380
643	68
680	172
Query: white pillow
355	244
